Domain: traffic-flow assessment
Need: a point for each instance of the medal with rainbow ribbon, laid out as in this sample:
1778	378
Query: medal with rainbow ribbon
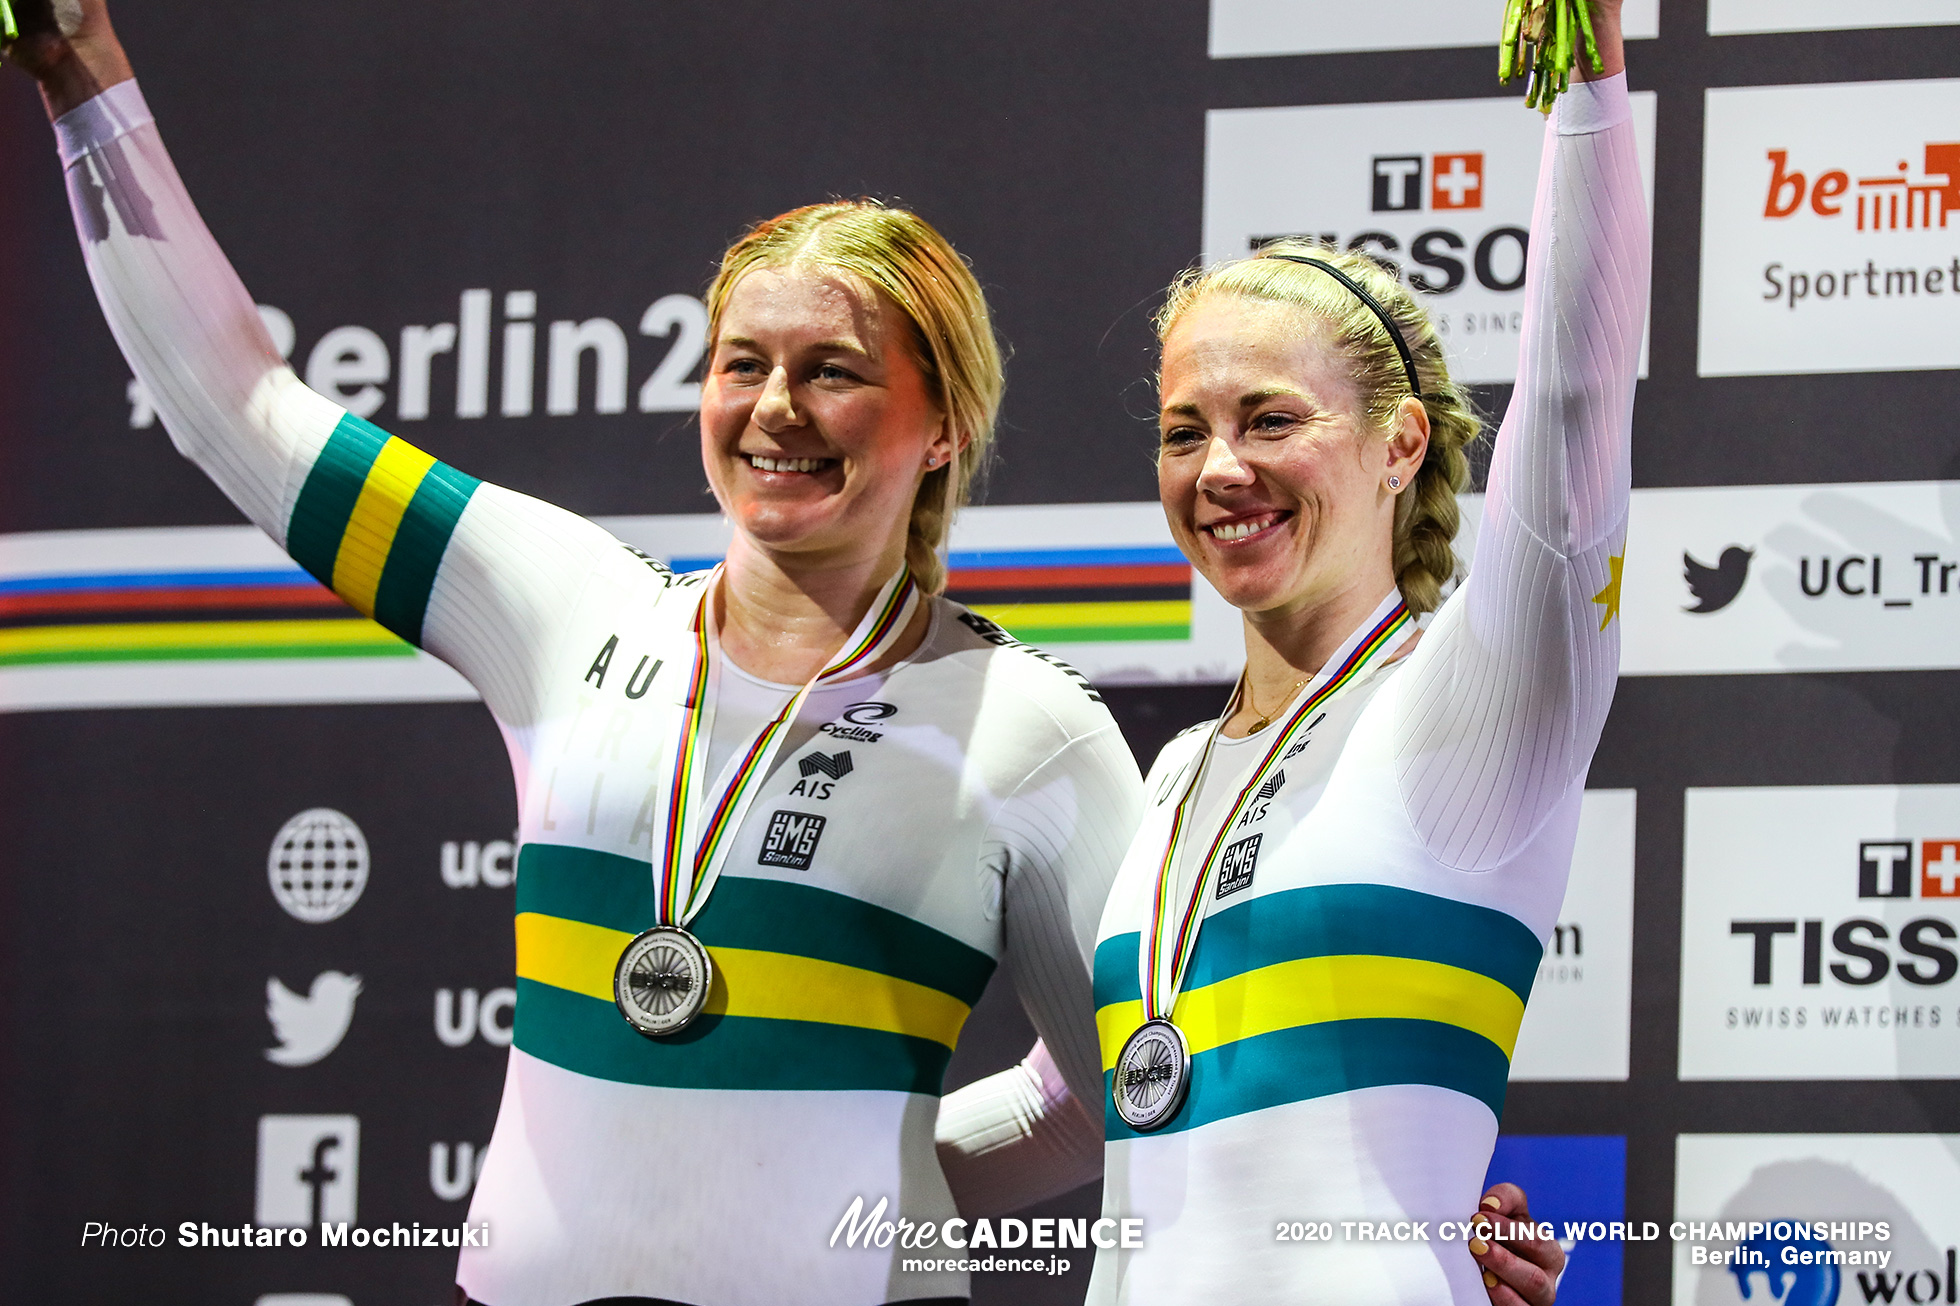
1153	1072
661	981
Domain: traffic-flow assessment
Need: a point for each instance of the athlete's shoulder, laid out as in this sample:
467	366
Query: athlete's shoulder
1032	670
1173	757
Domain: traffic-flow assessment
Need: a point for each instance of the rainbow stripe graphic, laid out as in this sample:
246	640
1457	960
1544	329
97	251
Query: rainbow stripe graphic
1067	595
175	616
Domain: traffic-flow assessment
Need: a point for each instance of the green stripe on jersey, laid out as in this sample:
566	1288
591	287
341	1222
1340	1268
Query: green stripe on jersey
764	915
326	500
586	1037
398	506
1337	920
1309	1061
403	598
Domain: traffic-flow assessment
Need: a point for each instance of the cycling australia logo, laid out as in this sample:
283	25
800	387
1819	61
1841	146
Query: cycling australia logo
318	865
1830	232
1439	192
1821	933
858	718
1714	588
310	1026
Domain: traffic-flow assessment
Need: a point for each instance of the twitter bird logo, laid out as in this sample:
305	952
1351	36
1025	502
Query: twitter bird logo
1715	587
310	1027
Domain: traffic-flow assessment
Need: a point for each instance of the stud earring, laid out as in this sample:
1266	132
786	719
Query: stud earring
1394	482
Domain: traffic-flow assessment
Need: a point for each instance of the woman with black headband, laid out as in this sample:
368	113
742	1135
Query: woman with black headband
1312	969
725	1029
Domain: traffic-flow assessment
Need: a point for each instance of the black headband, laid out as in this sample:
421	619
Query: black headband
1401	347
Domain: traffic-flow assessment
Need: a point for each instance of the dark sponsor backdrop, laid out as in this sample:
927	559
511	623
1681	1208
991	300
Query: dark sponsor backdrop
366	169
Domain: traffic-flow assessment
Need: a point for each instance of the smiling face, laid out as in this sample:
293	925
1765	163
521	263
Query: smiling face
1272	474
816	420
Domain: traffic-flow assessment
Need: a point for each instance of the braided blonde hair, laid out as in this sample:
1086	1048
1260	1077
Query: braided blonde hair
899	254
1426	516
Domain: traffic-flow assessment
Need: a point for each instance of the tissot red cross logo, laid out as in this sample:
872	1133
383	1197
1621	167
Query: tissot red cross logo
1939	868
1456	181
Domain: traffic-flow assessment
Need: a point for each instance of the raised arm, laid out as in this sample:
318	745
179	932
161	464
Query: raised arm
1511	686
477	575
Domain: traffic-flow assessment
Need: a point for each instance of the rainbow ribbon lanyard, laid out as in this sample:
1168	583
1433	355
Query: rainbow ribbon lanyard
1159	982
707	823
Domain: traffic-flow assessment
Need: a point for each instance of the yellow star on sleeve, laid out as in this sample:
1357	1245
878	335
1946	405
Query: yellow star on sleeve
1610	596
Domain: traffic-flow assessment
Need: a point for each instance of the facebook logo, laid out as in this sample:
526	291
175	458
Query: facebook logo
309	1168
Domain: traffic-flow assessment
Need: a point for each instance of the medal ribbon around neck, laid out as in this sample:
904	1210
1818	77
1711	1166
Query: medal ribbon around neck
707	822
1173	933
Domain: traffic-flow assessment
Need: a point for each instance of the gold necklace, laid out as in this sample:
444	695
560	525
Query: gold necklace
1265	718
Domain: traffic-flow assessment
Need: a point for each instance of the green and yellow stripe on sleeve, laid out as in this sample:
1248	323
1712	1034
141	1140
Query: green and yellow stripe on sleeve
372	522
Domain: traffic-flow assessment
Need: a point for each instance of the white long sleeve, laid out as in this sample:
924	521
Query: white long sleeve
1017	1137
1513	680
480	576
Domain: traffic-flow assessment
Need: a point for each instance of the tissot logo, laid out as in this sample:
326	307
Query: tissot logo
1714	588
1439	192
1456	181
1236	867
1820	940
791	840
1887	868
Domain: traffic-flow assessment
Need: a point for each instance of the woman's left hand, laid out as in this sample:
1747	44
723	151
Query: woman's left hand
1517	1271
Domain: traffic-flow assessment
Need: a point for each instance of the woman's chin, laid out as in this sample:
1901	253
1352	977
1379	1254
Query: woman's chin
1249	588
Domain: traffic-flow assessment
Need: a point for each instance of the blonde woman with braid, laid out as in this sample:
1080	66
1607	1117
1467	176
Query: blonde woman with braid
1313	966
727	1029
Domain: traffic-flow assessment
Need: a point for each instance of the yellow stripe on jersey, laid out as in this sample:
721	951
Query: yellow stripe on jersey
581	958
391	483
1316	990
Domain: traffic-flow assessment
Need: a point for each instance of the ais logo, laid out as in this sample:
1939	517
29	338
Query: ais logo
1438	183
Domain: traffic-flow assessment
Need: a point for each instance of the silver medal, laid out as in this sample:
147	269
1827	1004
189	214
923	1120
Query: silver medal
661	982
1152	1075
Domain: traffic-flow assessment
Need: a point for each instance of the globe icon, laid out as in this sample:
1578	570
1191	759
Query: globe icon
318	865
